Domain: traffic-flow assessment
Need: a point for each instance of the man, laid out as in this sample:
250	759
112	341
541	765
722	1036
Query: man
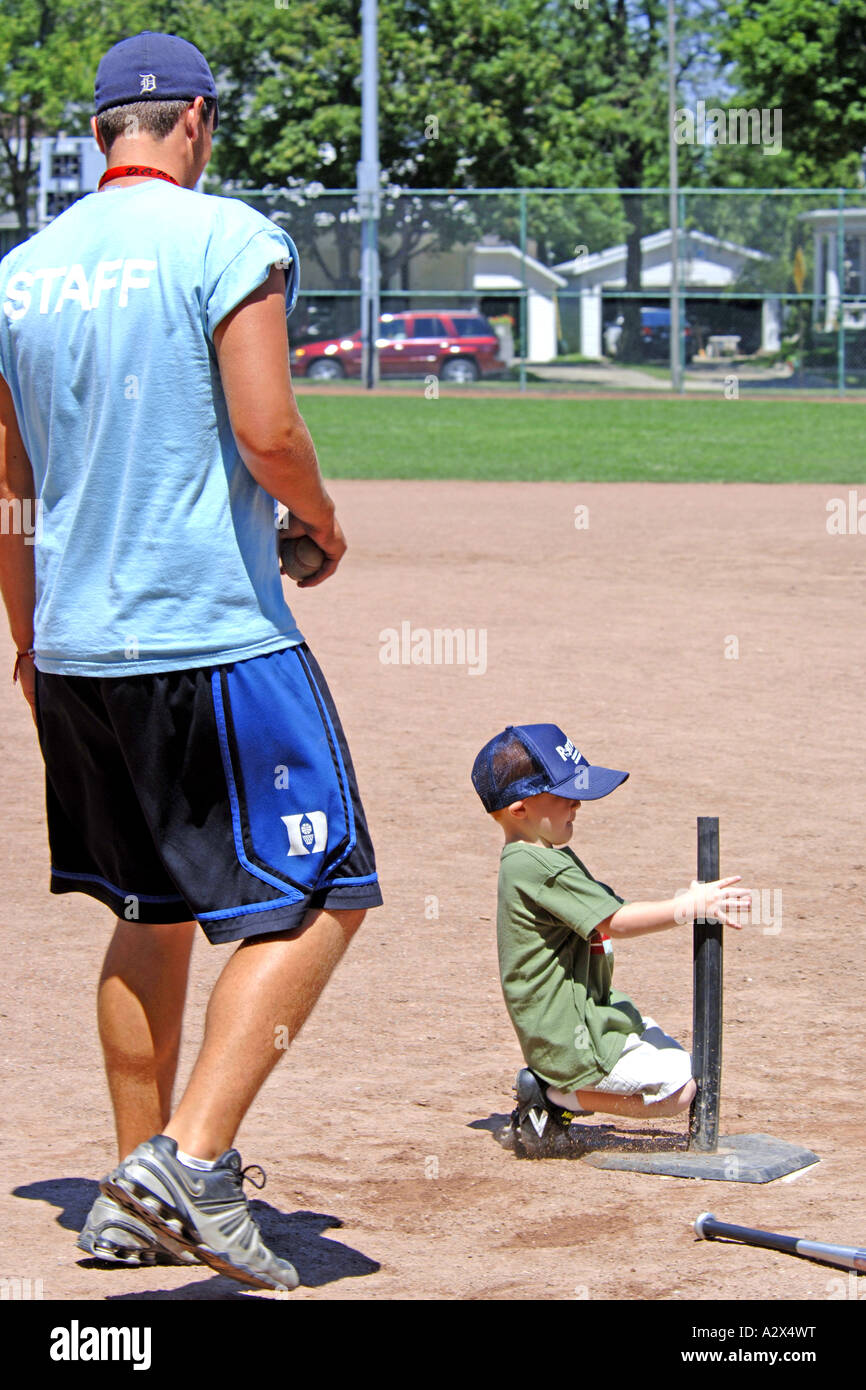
195	764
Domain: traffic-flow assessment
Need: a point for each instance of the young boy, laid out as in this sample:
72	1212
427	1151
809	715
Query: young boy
586	1046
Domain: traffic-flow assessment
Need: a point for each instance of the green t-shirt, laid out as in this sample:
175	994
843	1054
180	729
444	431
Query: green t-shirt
556	968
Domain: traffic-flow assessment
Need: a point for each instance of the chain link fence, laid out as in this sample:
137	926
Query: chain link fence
576	283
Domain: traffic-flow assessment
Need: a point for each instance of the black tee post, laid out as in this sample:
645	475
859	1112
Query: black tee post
726	1158
707	1016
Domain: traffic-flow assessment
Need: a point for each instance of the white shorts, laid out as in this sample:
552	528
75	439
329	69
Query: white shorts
651	1065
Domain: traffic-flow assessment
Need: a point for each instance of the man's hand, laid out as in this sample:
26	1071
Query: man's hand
328	538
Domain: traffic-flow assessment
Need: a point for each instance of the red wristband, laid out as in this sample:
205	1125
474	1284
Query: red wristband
19	657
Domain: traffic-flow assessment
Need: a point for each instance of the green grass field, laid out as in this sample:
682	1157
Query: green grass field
616	440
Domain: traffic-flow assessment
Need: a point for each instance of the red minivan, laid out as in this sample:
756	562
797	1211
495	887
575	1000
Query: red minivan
453	344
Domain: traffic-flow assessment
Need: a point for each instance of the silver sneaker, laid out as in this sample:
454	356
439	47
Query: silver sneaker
197	1210
115	1236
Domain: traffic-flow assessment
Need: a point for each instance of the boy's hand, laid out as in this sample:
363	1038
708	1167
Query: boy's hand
716	901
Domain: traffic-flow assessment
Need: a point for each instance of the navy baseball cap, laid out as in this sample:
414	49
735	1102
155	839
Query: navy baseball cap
528	759
153	67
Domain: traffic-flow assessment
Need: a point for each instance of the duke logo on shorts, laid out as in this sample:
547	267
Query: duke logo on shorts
308	833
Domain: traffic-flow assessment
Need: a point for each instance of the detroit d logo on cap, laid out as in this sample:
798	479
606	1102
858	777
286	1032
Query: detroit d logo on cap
148	81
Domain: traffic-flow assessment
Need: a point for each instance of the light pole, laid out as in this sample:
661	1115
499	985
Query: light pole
676	362
368	193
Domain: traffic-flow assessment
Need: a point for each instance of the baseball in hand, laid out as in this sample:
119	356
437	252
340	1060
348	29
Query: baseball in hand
300	557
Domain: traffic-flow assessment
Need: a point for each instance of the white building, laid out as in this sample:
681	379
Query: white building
69	167
830	227
705	263
502	271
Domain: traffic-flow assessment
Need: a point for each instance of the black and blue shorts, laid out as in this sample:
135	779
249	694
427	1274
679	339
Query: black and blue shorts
223	793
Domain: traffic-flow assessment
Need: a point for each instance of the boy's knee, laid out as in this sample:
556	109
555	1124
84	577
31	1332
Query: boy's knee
680	1100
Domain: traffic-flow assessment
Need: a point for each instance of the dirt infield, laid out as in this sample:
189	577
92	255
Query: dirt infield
710	639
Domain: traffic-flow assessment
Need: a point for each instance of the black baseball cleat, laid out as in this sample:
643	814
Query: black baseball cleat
539	1128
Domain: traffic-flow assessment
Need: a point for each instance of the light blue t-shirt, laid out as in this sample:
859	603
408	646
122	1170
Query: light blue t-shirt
155	547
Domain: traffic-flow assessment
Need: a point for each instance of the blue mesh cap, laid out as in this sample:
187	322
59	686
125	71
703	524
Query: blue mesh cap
153	67
528	759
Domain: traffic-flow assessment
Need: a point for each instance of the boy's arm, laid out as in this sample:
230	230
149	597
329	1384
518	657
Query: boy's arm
716	901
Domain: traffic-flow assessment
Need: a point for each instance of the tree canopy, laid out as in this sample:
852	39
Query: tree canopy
473	94
806	58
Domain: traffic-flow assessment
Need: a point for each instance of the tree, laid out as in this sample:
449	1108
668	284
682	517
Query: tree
470	95
473	93
624	117
806	58
46	61
49	52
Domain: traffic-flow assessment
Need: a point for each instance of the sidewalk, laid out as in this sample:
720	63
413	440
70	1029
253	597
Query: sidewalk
706	377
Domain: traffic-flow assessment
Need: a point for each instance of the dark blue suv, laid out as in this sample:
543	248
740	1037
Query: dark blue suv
655	332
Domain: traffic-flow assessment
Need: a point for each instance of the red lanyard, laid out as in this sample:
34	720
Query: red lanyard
136	171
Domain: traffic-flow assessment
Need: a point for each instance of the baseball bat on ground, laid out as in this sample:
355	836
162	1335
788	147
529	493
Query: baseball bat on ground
844	1256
